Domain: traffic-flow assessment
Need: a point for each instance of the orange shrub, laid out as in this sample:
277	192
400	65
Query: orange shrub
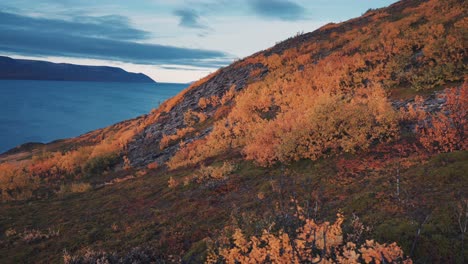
270	126
333	123
192	118
313	243
229	95
15	183
168	139
172	183
203	103
153	165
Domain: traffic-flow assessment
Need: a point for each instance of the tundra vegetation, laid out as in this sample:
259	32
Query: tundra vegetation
344	145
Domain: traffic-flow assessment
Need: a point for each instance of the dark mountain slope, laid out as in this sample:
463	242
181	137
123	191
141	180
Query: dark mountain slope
16	69
144	148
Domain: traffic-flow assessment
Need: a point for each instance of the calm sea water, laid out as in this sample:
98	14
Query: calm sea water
42	111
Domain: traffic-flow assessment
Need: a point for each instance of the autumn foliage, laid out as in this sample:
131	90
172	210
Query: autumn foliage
440	128
327	124
44	173
271	127
321	98
312	243
445	131
314	116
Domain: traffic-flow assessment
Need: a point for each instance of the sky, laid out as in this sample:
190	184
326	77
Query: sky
169	40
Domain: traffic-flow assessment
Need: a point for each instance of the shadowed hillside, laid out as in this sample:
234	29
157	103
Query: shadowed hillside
328	147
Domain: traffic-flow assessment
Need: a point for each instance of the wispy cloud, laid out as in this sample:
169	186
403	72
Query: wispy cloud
277	9
189	18
106	37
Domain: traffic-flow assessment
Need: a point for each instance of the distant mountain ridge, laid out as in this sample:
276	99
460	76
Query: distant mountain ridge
18	69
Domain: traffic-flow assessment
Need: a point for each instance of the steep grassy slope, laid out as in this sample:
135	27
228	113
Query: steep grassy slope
328	119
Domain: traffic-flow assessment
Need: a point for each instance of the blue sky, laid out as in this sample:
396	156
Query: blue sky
169	40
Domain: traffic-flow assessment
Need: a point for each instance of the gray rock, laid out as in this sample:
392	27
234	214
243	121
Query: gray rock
145	149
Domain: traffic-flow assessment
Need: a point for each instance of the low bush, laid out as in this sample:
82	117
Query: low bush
98	165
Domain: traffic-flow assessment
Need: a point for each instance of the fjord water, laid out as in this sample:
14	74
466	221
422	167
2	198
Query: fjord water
42	111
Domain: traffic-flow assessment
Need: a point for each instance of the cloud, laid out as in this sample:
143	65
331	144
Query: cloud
108	38
277	9
189	18
180	67
112	26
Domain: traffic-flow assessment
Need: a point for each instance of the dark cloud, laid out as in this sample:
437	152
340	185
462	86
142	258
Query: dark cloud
189	18
109	38
113	27
277	9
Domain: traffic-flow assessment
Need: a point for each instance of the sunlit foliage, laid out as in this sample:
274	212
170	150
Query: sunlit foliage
325	97
273	127
312	243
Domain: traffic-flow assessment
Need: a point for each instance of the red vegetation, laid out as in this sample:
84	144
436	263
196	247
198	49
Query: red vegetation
445	130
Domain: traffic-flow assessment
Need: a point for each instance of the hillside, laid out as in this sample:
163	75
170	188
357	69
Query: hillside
346	143
17	69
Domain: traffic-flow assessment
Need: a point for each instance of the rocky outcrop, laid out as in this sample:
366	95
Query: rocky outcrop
431	104
145	149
